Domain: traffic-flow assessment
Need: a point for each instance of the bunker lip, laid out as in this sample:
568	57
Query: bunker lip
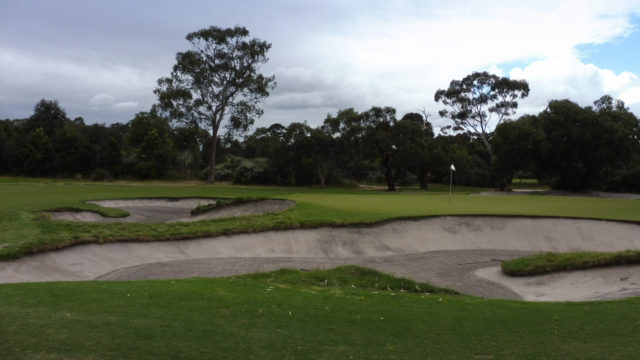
445	251
596	194
156	210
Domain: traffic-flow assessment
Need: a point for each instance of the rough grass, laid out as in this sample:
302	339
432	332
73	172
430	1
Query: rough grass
23	229
347	276
282	315
553	262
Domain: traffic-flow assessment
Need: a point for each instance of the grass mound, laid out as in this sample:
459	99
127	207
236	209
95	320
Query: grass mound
104	211
346	276
553	262
220	203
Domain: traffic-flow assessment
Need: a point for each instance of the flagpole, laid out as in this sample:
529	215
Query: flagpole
450	183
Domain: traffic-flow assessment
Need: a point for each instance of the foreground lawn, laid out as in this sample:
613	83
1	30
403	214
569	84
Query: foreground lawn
24	229
282	315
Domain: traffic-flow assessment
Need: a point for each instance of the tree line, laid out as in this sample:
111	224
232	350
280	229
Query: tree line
566	146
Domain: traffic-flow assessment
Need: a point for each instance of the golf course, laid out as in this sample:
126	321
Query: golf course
308	272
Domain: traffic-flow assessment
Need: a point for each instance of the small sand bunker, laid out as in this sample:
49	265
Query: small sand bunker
172	210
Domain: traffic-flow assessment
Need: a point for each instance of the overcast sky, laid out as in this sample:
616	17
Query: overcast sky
101	59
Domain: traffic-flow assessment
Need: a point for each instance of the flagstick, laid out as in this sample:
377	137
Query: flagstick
450	183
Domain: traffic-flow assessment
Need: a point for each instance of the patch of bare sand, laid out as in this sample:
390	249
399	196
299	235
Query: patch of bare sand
591	284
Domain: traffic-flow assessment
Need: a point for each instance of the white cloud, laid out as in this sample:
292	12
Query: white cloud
631	96
102	99
569	78
126	105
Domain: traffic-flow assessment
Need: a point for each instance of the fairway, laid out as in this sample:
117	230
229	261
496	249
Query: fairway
416	234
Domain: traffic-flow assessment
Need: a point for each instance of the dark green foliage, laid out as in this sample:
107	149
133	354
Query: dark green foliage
516	146
36	157
574	148
469	156
150	146
48	116
554	262
413	135
254	171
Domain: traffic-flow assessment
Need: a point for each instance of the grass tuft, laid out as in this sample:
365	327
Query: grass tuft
553	262
346	276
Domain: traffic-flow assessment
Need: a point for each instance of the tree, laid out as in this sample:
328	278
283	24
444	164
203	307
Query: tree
378	126
583	147
150	145
48	115
413	136
351	152
473	101
517	146
217	81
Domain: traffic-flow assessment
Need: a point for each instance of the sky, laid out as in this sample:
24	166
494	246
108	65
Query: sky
101	59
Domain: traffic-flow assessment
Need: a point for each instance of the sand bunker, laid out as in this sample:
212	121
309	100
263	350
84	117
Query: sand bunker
445	251
172	210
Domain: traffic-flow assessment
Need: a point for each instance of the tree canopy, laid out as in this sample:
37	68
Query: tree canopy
480	101
217	80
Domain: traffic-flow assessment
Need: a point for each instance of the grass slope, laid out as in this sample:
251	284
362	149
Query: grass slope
24	229
553	262
283	316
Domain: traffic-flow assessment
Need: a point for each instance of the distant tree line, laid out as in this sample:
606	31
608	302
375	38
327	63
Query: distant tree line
566	146
572	147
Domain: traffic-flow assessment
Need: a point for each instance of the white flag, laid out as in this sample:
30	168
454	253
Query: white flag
453	168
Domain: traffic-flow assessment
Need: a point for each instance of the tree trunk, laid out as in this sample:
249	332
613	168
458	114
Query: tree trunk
388	173
321	171
422	177
488	146
212	161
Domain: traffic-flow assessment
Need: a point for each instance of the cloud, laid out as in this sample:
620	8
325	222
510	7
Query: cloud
569	78
126	105
102	99
69	81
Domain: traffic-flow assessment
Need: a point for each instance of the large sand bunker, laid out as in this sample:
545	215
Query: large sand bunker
172	210
445	251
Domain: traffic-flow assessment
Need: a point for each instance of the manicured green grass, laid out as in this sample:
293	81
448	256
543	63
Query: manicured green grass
25	230
266	317
553	262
